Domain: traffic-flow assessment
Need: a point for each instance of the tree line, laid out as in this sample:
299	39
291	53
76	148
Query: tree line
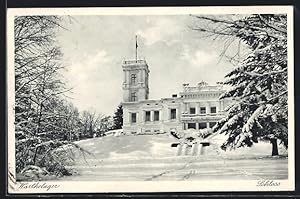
44	118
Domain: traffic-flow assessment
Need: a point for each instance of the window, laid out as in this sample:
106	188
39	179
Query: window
212	124
133	117
133	97
191	125
202	125
147	116
192	110
173	114
156	115
213	109
202	110
133	78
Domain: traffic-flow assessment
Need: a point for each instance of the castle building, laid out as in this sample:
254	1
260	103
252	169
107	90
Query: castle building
195	107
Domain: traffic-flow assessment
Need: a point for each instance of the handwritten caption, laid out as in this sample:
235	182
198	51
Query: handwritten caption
267	183
38	185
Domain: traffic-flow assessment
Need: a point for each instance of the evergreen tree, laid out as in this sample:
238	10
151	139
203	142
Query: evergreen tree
259	82
118	118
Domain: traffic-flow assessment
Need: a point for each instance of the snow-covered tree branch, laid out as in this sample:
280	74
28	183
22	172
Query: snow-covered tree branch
259	81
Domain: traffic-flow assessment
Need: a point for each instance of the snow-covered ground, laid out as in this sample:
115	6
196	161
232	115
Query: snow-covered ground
260	149
151	157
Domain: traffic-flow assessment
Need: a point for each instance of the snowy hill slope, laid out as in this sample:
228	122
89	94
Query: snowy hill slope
151	157
130	146
158	146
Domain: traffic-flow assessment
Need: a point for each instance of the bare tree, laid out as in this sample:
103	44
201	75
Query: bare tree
41	115
92	122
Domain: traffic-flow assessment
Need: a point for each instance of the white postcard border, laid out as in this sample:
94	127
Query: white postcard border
139	186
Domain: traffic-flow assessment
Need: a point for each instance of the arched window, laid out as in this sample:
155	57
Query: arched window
133	97
133	78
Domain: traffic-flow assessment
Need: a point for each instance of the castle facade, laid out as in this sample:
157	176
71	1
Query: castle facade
195	107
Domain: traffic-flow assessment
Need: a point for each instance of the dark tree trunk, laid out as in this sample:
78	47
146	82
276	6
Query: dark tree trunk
35	154
274	147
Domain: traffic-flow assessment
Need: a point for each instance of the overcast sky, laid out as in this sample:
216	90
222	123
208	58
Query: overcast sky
95	46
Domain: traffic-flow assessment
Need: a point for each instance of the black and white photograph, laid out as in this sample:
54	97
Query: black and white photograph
150	99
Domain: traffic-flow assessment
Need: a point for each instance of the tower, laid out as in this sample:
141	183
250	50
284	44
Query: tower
135	85
136	75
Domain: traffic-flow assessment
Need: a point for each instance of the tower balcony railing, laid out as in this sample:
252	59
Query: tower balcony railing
139	61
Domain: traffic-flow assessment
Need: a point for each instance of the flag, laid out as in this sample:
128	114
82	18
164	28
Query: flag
136	46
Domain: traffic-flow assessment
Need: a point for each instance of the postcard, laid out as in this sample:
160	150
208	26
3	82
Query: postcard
150	99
